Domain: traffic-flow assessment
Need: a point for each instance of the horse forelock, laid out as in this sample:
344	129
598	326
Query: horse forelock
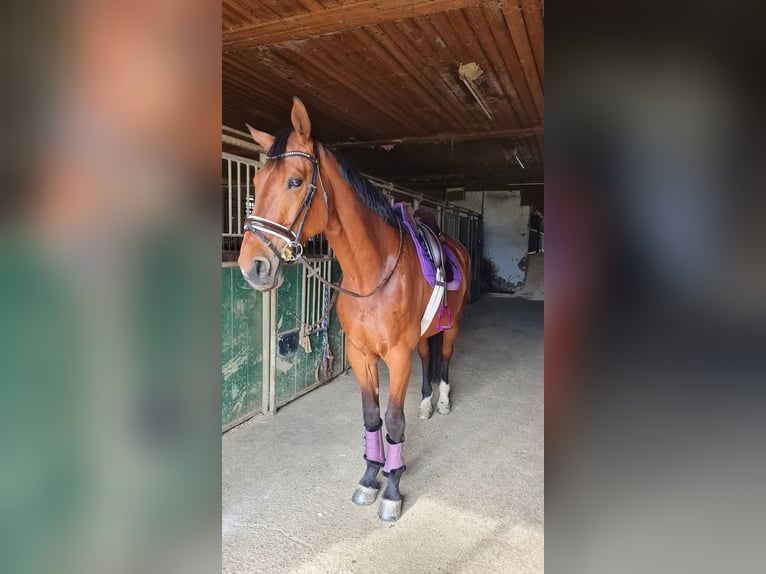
280	144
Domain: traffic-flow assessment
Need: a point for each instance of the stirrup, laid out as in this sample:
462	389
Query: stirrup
439	325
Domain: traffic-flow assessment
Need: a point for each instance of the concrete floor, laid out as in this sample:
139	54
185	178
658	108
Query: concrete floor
473	489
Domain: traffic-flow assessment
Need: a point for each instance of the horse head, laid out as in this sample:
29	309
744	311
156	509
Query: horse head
286	211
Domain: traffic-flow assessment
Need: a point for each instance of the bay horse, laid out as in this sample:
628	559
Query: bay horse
383	293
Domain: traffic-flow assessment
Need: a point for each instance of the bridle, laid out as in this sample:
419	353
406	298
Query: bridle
260	226
293	249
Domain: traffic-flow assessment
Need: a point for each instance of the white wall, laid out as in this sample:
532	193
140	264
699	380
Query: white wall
505	235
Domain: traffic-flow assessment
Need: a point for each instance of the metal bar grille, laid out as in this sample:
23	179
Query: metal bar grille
313	299
238	198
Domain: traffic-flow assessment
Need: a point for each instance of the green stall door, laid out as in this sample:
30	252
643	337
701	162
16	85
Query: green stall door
242	347
297	364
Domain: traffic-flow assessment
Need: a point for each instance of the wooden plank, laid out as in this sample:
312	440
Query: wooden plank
439	112
538	146
311	5
385	50
512	83
335	20
245	84
511	74
281	8
442	73
262	12
514	23
533	19
449	81
466	47
462	48
316	67
383	78
266	87
448	137
532	152
232	17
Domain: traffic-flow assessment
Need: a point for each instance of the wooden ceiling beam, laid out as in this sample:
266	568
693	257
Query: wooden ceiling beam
447	138
334	20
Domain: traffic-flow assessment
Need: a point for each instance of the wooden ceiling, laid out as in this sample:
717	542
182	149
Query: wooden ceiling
380	80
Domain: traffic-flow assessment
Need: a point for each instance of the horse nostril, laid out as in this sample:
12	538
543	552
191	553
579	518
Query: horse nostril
260	267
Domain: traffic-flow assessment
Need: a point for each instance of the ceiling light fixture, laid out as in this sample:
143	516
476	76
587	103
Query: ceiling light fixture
513	153
470	74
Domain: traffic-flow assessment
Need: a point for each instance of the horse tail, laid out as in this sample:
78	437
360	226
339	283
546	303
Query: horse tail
435	356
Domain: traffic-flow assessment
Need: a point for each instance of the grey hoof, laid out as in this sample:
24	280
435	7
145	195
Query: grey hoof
443	408
364	495
390	510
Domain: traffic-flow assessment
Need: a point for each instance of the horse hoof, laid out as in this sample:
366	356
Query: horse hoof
443	408
426	410
390	510
364	495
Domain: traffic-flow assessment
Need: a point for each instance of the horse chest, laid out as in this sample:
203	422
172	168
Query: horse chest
375	327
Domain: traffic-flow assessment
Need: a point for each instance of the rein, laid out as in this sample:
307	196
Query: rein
293	249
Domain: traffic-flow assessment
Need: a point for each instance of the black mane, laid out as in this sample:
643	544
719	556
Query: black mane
370	195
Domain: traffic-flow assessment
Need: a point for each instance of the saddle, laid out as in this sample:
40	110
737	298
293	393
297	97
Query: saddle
431	238
437	261
432	253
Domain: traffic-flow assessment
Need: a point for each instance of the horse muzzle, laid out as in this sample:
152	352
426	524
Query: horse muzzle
263	273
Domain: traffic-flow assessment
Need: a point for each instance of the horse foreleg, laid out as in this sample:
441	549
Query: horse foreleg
399	363
365	369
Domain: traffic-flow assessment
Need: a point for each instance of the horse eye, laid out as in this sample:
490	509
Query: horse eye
294	183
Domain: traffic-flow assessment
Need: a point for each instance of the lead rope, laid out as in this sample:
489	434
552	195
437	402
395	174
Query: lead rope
307	329
326	358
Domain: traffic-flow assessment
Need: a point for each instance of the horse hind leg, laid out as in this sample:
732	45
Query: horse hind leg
443	406
426	352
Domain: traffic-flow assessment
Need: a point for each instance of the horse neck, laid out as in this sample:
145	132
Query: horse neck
365	245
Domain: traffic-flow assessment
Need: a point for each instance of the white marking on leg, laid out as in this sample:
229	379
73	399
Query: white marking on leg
443	406
426	410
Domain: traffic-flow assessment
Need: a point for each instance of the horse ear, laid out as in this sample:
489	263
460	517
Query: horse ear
261	138
300	119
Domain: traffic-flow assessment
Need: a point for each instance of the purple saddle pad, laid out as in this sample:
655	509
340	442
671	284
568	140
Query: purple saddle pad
425	263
